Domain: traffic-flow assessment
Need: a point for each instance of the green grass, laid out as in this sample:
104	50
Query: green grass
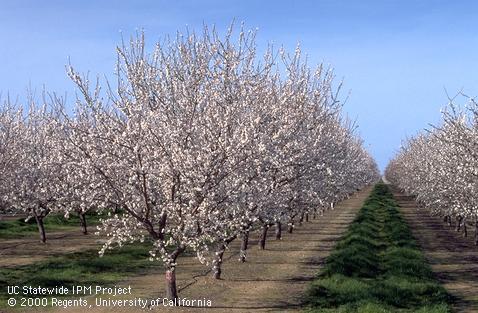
377	267
54	222
79	268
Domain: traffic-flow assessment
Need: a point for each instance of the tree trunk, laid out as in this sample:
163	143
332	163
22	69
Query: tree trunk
262	242
83	225
278	228
171	290
459	219
449	221
465	229
306	217
41	227
217	262
244	243
476	233
301	219
216	268
290	228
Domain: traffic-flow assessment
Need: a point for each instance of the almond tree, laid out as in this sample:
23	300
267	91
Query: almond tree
10	121
77	193
33	169
198	142
440	167
167	146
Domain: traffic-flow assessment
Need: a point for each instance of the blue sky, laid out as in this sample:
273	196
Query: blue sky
396	57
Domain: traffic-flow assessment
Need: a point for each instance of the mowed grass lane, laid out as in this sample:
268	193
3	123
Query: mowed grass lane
377	267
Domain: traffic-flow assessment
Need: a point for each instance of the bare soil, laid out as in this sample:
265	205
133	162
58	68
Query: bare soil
454	259
30	249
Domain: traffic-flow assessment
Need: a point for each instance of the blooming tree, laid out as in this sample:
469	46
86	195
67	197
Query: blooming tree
200	142
10	122
440	167
30	184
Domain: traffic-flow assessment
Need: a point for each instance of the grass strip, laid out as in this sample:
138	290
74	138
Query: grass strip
377	267
18	228
79	268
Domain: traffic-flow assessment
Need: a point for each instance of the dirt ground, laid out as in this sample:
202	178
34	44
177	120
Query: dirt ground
28	250
453	258
273	280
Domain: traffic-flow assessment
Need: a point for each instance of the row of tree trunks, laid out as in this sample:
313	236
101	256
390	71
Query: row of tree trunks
39	219
461	224
171	289
217	262
245	242
262	241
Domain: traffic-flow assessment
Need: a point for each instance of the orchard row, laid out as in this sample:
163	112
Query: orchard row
198	143
440	167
